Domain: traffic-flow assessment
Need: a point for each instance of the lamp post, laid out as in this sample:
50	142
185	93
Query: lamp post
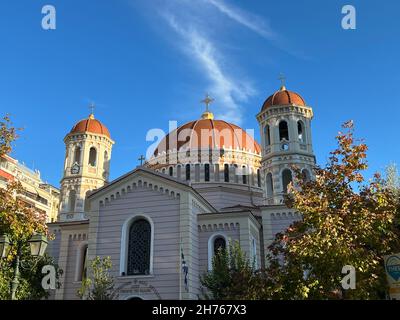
37	243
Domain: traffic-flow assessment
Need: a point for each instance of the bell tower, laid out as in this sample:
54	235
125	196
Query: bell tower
86	167
285	130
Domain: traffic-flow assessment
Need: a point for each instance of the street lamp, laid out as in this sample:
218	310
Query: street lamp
4	245
37	243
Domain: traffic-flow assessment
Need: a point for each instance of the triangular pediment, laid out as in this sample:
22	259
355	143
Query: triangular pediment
145	178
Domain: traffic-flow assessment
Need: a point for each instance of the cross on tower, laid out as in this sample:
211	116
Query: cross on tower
282	78
207	101
141	159
92	106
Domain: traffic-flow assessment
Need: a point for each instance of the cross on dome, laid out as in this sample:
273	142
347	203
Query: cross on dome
92	107
207	101
282	78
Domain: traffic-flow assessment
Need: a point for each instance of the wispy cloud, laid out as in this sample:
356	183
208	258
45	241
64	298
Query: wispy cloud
228	91
248	20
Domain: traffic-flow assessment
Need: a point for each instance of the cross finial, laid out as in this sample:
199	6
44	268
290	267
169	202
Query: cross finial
141	159
92	107
207	101
282	78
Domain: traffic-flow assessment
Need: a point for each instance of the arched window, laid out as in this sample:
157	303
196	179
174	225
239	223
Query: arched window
286	179
139	246
187	168
219	244
77	155
84	263
171	171
254	259
300	131
163	170
258	178
244	175
283	131
267	135
270	185
72	200
206	172
93	157
216	243
226	172
81	262
306	175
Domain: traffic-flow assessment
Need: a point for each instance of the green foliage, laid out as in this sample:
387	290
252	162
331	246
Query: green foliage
19	221
233	277
100	284
345	222
30	286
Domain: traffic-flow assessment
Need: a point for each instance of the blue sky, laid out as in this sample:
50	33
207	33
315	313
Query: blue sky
145	62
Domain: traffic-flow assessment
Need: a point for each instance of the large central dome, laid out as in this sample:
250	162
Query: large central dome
208	133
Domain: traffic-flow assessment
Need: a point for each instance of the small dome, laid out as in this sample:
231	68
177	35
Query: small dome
90	125
222	134
283	97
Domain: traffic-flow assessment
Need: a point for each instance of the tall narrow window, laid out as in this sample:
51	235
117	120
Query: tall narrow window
93	157
219	244
139	248
254	253
171	171
244	175
258	178
84	263
300	131
286	179
283	131
267	135
187	168
270	185
72	200
206	172
77	155
226	172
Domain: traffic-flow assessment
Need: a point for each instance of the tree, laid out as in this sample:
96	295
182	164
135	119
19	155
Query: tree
233	277
30	281
100	286
8	134
345	221
19	221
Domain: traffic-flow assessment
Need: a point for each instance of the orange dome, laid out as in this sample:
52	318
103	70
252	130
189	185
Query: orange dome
283	97
208	133
90	125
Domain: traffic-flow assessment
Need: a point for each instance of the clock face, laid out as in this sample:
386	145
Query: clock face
75	169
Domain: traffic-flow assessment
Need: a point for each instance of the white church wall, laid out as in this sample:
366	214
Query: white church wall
164	212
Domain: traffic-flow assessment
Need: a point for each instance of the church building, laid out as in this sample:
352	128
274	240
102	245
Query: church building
207	184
